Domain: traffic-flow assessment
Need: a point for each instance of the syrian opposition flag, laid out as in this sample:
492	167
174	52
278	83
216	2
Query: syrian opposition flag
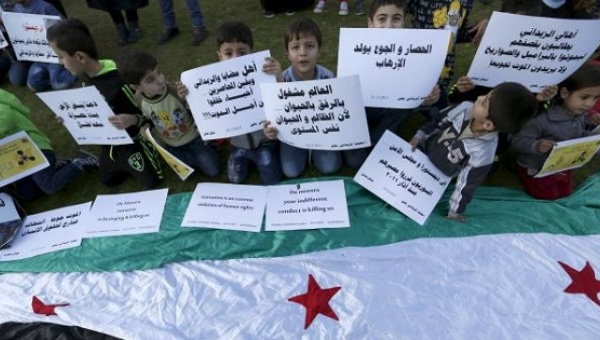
518	268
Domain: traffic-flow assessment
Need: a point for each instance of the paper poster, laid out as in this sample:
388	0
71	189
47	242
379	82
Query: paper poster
126	214
47	232
85	114
533	51
311	205
225	98
181	169
398	68
226	206
3	41
19	158
570	154
405	179
325	114
10	221
27	33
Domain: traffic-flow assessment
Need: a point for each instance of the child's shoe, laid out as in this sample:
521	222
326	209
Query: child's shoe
358	8
344	8
85	160
268	14
320	7
290	12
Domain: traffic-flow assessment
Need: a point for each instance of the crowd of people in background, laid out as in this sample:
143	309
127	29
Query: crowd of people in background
134	88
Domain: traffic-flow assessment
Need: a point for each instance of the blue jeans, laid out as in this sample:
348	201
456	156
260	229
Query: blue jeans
48	180
294	160
198	155
264	157
41	76
168	13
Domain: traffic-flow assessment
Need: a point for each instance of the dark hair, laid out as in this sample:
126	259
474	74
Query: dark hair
234	31
303	26
511	105
588	75
134	64
72	35
380	3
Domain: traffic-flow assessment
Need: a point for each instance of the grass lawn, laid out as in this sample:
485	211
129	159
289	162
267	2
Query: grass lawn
177	56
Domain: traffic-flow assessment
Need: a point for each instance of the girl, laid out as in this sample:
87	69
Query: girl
568	119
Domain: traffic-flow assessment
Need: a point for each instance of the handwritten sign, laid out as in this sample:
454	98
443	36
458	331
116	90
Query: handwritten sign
181	169
312	205
570	154
19	158
225	98
406	180
126	214
48	232
226	206
10	221
398	68
85	114
323	114
27	33
535	52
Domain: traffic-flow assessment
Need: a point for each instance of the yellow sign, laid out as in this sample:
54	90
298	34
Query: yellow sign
19	157
181	169
570	154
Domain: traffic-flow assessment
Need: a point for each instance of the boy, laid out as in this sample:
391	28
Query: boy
303	40
464	141
14	117
172	120
72	41
234	39
39	76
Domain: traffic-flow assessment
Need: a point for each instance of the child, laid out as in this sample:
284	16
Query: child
14	117
172	120
234	39
566	120
463	142
390	14
72	41
39	76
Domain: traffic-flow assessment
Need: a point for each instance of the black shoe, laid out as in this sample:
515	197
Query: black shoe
86	160
167	34
268	14
199	34
290	12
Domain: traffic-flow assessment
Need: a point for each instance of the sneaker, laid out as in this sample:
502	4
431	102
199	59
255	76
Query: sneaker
268	14
358	8
167	34
60	162
290	12
320	7
344	8
84	160
199	34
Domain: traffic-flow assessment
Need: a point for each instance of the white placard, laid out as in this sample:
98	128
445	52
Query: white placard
126	214
225	98
533	51
48	232
398	68
226	206
85	114
406	180
3	41
325	114
310	205
19	158
27	33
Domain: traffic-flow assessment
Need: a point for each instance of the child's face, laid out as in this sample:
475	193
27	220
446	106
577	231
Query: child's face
481	111
303	54
152	84
388	16
73	63
229	50
580	101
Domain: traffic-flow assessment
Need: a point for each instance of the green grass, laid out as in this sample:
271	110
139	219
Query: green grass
177	56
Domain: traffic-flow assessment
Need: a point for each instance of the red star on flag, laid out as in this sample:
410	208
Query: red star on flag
316	301
39	307
583	282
